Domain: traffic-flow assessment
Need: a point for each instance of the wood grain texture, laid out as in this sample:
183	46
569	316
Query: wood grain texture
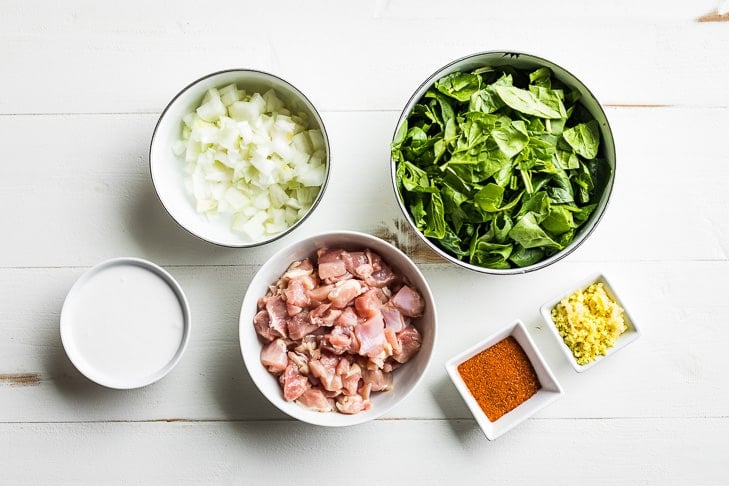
136	63
81	89
601	452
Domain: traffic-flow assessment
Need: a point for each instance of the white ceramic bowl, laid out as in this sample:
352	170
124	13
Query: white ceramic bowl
631	333
519	61
549	392
167	169
406	378
125	323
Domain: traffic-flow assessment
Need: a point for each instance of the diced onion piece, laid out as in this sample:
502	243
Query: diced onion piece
230	94
212	109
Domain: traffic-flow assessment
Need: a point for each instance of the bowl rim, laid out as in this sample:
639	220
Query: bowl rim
587	231
263	74
508	421
631	334
320	418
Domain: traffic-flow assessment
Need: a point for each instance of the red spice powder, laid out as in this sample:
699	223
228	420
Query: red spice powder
500	377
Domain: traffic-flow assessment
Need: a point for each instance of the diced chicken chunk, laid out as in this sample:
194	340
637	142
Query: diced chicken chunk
409	302
273	356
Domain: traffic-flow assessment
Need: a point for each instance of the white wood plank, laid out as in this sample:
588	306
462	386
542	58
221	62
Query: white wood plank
86	197
601	452
82	85
115	60
676	369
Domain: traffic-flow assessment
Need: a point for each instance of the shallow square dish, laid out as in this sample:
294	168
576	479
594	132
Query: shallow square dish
631	333
550	388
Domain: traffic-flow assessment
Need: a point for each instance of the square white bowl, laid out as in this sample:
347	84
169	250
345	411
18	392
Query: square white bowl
550	388
631	333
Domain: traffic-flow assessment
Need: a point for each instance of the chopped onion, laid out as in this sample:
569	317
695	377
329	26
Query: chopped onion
249	157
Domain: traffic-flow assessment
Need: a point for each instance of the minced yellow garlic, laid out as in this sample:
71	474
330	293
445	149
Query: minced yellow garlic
589	321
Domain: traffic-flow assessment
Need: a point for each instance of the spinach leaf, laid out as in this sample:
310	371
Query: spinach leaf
459	85
584	138
485	100
529	234
489	198
523	257
544	103
558	220
511	139
488	254
435	217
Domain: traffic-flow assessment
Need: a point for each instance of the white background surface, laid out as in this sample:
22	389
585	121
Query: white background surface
81	87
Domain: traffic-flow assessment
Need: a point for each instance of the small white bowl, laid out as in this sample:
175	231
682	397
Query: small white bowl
167	169
125	323
631	333
405	378
549	392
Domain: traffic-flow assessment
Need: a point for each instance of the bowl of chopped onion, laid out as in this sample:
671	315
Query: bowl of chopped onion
239	158
338	328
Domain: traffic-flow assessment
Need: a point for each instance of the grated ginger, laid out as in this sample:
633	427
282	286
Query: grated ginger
589	321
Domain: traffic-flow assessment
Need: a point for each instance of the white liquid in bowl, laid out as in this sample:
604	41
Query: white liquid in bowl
124	323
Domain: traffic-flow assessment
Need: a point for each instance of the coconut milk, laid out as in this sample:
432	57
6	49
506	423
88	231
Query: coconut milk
125	324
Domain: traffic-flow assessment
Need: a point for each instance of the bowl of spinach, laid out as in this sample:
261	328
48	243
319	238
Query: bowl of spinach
503	162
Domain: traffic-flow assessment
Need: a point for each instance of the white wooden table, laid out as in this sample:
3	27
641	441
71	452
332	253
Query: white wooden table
81	87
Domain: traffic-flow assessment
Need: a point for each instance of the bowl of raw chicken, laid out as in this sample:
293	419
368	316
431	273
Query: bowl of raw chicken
338	328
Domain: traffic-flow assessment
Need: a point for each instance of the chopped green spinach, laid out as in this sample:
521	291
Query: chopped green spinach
500	167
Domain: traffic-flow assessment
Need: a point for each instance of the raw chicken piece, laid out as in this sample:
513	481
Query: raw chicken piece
348	318
299	269
393	318
392	341
314	399
261	322
300	360
410	340
357	263
294	384
371	336
330	265
368	304
351	379
324	315
344	292
377	379
409	302
341	340
296	293
351	404
320	295
300	325
325	370
277	314
381	275
273	356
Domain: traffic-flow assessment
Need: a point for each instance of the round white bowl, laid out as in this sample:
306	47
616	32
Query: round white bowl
167	169
517	60
125	323
405	378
